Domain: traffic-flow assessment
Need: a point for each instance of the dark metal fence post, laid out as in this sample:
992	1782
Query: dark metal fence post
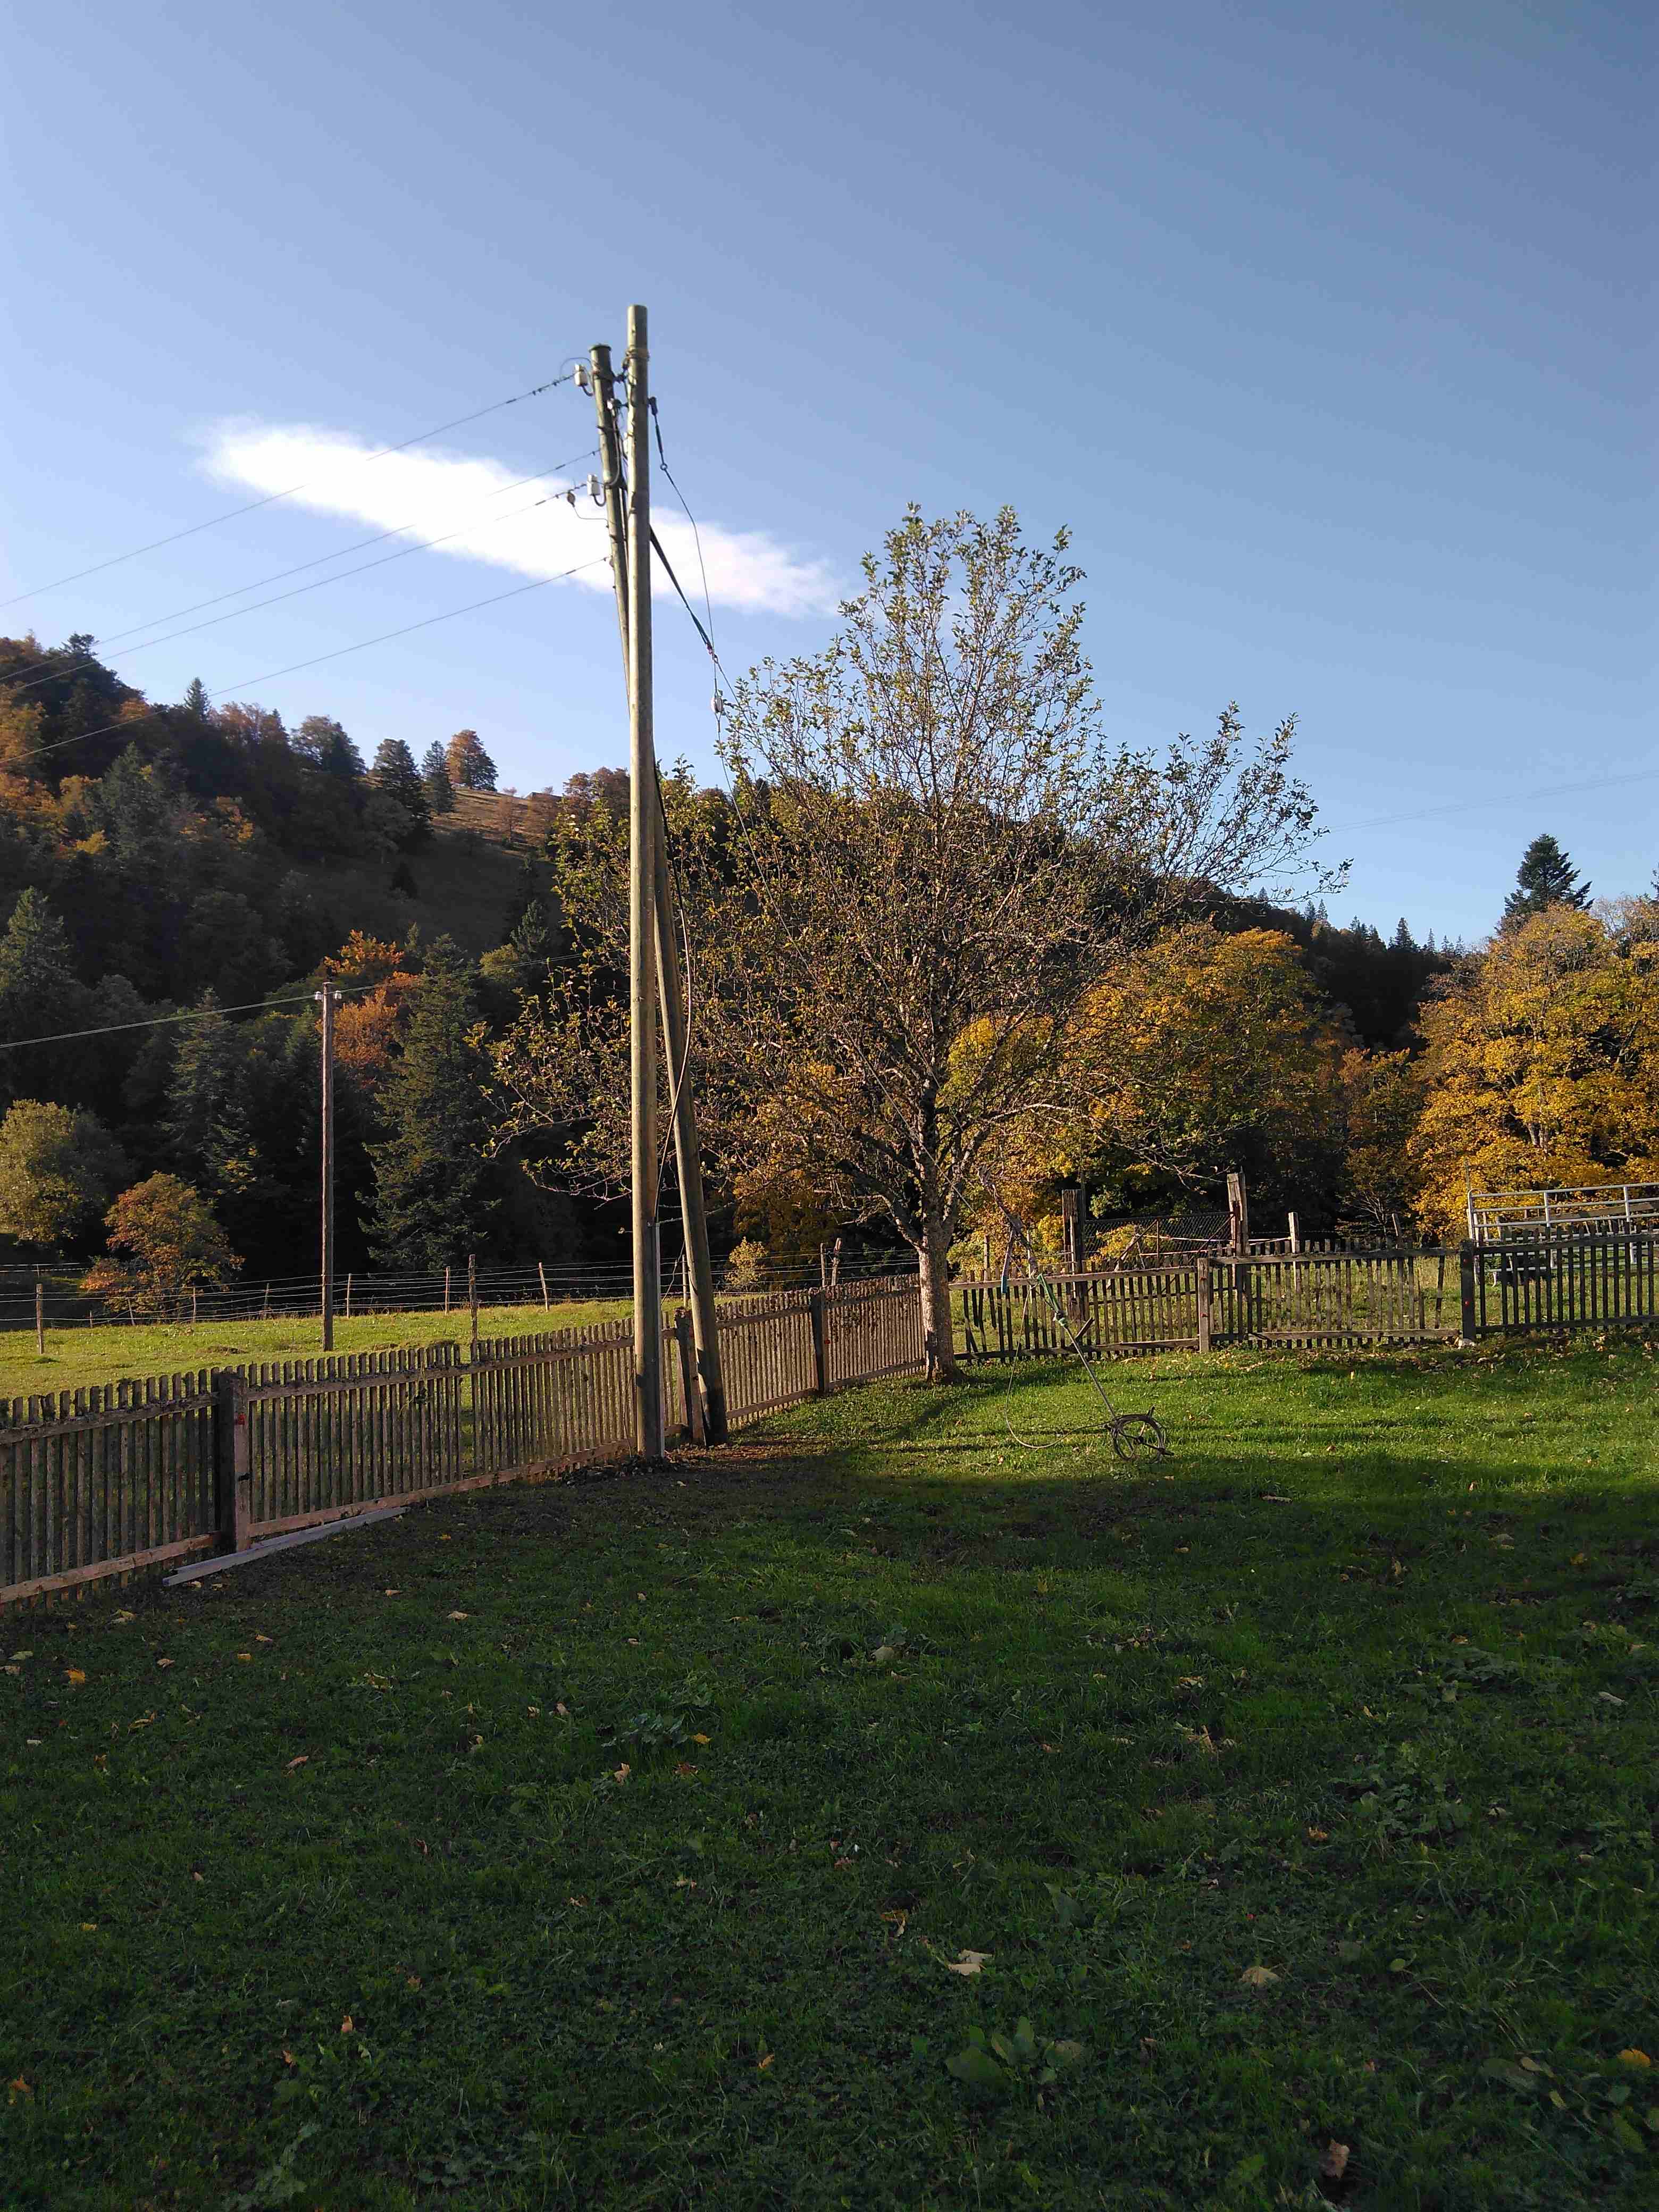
816	1308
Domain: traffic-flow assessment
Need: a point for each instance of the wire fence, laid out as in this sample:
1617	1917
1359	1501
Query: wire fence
52	1293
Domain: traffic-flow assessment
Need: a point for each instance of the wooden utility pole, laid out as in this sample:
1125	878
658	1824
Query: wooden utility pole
642	922
688	1158
325	996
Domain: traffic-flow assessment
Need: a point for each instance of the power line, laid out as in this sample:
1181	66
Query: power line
48	670
160	1021
321	582
132	721
1501	798
271	498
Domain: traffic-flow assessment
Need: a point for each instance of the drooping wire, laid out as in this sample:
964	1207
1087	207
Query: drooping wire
270	499
322	583
196	1014
243	684
52	665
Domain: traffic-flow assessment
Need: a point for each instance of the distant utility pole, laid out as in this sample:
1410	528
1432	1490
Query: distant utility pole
326	998
688	1157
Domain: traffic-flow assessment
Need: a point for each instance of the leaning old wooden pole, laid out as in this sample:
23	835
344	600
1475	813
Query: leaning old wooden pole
688	1158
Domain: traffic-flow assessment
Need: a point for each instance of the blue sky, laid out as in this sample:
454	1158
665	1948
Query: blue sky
1329	330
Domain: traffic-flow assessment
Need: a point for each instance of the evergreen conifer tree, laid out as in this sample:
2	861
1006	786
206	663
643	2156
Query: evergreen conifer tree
395	772
433	1196
434	773
196	699
40	995
1545	878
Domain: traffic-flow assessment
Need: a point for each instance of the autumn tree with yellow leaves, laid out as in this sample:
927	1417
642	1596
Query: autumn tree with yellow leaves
1541	1064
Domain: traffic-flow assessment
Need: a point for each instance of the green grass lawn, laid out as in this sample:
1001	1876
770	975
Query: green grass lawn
83	1355
618	1842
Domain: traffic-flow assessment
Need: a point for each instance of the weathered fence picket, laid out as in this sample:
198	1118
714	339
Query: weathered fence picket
99	1480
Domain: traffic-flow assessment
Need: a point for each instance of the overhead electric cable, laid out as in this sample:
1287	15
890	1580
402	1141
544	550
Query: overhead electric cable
196	1014
256	583
132	721
1501	798
320	583
271	498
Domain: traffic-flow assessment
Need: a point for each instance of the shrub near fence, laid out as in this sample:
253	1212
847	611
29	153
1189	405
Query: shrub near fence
99	1482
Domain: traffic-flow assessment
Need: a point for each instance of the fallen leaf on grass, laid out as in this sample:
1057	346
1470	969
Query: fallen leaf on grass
1319	1835
302	1760
680	1881
762	2064
261	1639
75	1676
1335	2164
125	1615
696	1739
19	2088
621	1772
1257	1978
347	2027
969	1962
1634	2058
456	1616
244	1655
684	1766
164	1662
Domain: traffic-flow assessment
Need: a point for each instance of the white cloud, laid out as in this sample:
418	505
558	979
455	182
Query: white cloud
484	513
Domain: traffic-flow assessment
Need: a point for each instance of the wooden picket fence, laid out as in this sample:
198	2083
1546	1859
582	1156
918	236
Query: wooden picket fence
1306	1300
96	1481
103	1481
1562	1279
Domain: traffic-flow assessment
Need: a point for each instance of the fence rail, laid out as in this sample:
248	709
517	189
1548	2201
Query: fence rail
101	1481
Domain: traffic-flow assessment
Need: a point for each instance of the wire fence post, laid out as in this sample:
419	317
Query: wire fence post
472	1296
1205	1322
1466	1259
818	1303
39	1314
542	1272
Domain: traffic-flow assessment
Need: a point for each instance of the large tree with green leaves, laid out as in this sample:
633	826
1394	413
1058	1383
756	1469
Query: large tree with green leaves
940	855
57	1172
433	1199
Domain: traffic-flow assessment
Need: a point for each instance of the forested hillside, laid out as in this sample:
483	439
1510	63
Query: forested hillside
198	859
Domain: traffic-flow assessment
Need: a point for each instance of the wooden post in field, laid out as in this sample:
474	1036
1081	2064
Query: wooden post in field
39	1314
823	1267
472	1296
1201	1267
232	1466
1239	1215
542	1272
1466	1260
446	1290
348	1309
816	1307
835	1263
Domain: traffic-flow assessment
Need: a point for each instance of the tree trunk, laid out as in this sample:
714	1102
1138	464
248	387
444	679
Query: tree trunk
938	1332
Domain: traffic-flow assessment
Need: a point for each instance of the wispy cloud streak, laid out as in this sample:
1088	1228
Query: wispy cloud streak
484	512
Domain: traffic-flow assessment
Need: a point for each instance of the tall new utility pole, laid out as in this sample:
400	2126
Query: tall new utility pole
688	1155
325	996
641	949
